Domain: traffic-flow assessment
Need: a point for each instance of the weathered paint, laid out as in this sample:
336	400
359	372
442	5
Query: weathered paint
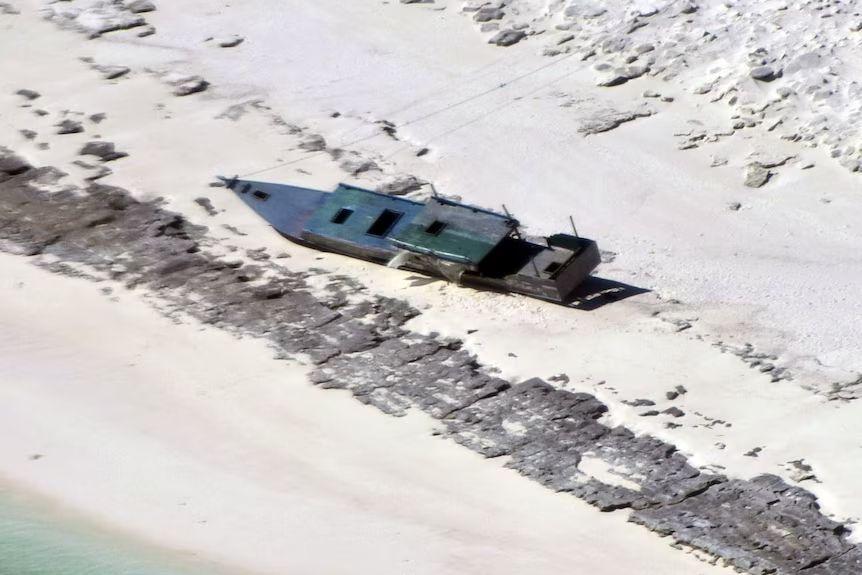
468	234
462	243
366	207
286	208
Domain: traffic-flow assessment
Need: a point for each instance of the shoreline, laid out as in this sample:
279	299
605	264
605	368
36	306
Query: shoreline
35	533
379	489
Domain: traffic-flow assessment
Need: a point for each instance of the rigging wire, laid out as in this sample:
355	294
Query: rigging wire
439	111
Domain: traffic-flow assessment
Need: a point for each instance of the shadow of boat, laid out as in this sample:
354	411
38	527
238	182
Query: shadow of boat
596	292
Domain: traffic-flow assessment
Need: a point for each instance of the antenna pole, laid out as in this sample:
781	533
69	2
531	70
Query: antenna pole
574	229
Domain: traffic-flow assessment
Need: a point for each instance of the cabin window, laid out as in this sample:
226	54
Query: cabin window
262	196
341	216
245	188
436	228
552	268
384	223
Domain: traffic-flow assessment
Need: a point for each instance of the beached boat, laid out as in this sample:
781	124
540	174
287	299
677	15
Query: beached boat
440	237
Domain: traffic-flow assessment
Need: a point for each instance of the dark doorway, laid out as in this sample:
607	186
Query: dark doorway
384	223
436	228
341	216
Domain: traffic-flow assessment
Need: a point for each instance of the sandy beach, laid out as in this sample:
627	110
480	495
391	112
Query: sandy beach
189	438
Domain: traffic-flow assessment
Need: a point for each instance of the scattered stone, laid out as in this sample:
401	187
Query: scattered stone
68	126
313	143
113	72
207	205
674	411
11	163
620	76
801	471
400	186
734	206
229	41
488	13
609	120
98	117
28	134
639	402
671	395
140	6
756	175
507	37
356	165
718	161
94	172
753	452
28	94
105	151
763	73
187	85
146	31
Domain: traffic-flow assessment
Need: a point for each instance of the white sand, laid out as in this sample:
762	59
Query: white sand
741	276
198	442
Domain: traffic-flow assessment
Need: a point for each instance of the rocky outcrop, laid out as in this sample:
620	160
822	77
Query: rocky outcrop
787	69
358	342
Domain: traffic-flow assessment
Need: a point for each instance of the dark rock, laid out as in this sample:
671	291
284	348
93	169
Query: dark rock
207	205
105	151
113	72
313	143
760	525
140	6
28	94
640	402
189	85
764	73
68	126
229	41
674	411
488	13
756	175
11	163
356	165
609	120
507	37
400	186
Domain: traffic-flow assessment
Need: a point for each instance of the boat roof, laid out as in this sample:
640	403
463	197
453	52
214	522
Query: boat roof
441	227
362	217
454	231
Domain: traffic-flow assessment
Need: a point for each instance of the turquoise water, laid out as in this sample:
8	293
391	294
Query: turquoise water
35	540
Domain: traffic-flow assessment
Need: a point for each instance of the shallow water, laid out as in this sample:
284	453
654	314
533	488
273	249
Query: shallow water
36	540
